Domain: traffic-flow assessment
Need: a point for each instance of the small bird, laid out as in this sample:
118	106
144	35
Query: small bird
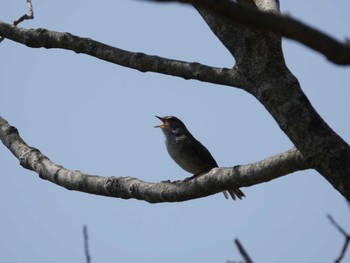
188	152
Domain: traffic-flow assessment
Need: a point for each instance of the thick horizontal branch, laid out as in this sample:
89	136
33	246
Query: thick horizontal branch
39	38
286	26
215	181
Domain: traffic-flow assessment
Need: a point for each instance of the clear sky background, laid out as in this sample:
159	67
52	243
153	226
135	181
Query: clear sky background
98	117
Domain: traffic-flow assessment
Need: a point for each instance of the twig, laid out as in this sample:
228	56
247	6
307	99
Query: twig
86	244
28	16
347	239
242	251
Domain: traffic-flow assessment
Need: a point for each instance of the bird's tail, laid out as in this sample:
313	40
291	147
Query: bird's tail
234	193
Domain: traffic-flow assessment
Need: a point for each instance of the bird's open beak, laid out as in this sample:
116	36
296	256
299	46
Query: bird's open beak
162	125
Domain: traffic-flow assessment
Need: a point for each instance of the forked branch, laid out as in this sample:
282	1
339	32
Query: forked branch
334	50
29	15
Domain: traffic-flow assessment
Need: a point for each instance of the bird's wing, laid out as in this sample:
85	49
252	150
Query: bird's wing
203	153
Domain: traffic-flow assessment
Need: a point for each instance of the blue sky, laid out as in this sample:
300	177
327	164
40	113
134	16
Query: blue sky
98	117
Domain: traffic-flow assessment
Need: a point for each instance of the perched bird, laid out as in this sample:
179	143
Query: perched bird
187	152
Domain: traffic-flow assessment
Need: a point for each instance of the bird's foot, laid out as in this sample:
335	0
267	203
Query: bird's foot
176	181
166	181
192	177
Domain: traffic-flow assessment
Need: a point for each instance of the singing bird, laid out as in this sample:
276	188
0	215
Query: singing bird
188	152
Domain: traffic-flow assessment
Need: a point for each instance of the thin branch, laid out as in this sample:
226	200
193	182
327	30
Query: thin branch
346	236
243	252
86	244
340	229
28	16
50	39
334	50
217	180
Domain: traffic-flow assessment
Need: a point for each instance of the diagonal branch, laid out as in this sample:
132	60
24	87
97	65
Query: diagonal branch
335	51
50	39
243	252
215	181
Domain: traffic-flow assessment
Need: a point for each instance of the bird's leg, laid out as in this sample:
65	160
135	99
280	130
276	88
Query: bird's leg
177	181
166	181
194	176
191	177
186	179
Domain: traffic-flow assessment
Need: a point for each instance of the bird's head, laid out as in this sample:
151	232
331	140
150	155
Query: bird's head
172	125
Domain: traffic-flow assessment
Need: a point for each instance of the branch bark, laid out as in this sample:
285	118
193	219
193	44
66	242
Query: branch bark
283	25
39	38
260	59
215	181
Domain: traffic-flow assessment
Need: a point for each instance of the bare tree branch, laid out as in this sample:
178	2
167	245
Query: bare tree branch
335	51
215	181
260	70
346	236
136	60
30	15
86	244
259	57
243	252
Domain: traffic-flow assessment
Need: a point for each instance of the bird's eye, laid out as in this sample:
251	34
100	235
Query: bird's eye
176	131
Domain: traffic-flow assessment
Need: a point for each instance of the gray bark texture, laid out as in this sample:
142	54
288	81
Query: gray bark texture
213	182
260	60
260	69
